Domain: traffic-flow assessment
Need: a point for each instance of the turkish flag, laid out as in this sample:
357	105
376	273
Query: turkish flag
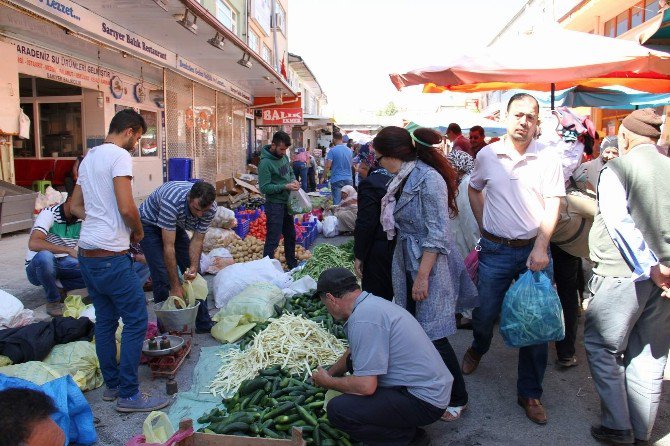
283	69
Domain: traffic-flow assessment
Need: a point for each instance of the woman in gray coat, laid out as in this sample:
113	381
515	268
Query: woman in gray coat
429	274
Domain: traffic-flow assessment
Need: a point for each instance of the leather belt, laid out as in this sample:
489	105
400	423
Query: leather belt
512	243
100	253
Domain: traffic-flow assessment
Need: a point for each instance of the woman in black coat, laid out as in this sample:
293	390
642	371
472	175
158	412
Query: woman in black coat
372	249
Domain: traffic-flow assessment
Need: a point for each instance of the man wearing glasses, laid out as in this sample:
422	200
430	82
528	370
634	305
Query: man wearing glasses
171	210
516	216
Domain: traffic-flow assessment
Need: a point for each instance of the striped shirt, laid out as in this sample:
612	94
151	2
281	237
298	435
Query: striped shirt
167	208
52	222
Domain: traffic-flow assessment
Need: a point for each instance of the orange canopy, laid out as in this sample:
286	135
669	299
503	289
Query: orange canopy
556	56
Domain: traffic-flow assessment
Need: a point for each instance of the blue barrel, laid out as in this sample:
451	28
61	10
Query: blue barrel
180	169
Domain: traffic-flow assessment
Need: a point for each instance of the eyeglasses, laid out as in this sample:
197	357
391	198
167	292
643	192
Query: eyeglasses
379	159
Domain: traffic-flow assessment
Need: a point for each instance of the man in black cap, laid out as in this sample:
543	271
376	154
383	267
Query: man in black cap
397	379
627	326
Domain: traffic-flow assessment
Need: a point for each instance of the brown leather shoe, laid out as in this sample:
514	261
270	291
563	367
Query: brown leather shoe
470	361
534	409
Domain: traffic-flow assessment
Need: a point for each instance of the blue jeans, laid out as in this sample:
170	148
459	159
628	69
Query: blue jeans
152	247
499	265
336	189
279	222
45	268
300	171
142	272
116	292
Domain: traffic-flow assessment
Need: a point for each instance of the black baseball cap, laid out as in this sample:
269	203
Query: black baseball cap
334	280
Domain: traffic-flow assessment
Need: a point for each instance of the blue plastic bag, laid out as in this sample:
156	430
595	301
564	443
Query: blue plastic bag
73	414
531	312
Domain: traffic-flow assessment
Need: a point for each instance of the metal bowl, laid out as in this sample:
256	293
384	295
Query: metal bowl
176	343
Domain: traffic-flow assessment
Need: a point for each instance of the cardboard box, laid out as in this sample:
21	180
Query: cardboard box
253	169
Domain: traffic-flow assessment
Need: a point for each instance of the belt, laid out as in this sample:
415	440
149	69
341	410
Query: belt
100	253
512	243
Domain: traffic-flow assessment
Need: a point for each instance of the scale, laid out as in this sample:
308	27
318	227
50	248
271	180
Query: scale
165	363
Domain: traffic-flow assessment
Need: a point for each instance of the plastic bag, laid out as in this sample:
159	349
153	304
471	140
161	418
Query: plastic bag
224	218
216	260
53	196
195	289
80	361
157	427
231	328
330	226
299	202
10	307
74	306
257	300
472	265
139	440
234	279
218	238
300	286
531	312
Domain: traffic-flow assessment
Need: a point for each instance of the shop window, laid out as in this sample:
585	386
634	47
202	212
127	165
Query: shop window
148	143
226	15
254	41
46	87
637	15
25	86
266	54
651	8
280	18
610	28
60	129
25	148
622	23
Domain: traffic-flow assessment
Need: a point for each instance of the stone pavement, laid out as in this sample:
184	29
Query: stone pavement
493	418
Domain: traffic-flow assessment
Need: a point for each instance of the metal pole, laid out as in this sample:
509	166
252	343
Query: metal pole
553	94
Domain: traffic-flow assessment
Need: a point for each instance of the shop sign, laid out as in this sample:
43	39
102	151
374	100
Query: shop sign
208	78
282	116
69	12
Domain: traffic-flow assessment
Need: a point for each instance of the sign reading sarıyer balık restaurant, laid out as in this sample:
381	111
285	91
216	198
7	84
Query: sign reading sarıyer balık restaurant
281	116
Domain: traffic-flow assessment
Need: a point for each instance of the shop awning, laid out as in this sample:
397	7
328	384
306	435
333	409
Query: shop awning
654	33
146	30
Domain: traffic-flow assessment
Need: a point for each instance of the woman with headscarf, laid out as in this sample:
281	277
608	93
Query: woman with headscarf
347	210
429	274
373	251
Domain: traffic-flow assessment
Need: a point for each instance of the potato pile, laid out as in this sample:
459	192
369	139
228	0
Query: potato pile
246	250
300	254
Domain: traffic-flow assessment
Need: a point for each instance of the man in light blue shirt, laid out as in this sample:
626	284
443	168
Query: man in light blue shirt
338	163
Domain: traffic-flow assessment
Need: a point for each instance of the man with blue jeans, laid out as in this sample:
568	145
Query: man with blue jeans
338	162
517	216
103	197
276	181
171	210
52	255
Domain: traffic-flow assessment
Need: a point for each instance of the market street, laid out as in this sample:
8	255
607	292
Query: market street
492	418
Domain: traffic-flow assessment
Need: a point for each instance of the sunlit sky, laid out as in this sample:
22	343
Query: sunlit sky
352	45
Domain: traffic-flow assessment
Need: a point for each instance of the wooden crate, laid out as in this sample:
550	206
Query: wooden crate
16	207
200	439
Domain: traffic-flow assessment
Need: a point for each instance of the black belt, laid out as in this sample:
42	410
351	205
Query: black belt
512	243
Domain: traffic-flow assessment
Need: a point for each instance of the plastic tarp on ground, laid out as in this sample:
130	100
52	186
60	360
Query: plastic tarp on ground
198	400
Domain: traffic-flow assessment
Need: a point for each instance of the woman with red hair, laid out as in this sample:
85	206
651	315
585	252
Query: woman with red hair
429	274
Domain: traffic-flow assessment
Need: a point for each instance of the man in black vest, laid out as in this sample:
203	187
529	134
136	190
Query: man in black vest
627	328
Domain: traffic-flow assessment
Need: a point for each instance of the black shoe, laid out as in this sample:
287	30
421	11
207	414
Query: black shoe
421	438
612	436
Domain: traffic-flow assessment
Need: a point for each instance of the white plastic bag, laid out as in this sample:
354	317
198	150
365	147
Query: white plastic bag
10	307
301	286
216	260
232	280
330	226
224	218
218	238
299	202
53	196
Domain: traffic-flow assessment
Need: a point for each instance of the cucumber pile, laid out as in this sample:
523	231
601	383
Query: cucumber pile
270	405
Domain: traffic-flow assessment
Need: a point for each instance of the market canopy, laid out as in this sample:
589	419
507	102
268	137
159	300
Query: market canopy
466	119
548	58
359	137
606	97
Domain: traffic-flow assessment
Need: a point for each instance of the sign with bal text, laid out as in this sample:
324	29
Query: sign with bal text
281	116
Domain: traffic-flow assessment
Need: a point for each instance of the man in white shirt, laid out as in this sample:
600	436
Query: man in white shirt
517	216
627	326
103	198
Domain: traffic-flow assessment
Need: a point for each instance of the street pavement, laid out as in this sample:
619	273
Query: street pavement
492	418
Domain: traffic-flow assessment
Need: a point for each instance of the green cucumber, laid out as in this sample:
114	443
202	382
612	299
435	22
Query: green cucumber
235	426
306	415
328	429
250	386
278	411
269	433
